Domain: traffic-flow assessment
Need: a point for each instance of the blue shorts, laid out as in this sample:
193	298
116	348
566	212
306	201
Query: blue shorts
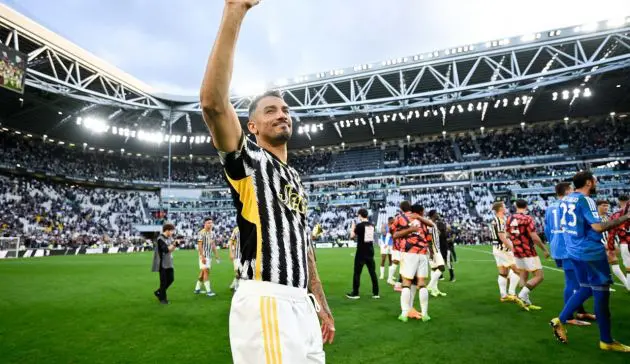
565	264
592	273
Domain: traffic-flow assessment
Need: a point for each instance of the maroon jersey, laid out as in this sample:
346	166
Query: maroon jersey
416	242
621	233
520	227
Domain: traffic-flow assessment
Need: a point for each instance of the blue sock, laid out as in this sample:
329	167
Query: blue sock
574	303
602	310
568	287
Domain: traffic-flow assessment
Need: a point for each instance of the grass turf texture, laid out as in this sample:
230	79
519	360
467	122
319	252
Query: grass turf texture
100	309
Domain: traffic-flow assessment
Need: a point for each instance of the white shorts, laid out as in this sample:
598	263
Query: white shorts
504	258
625	255
437	261
208	264
396	255
271	323
386	249
529	264
414	265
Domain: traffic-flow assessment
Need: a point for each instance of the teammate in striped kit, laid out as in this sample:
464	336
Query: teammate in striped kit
603	207
274	312
386	244
234	246
619	238
502	250
206	247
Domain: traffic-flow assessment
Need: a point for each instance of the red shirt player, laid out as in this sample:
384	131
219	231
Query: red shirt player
621	235
521	229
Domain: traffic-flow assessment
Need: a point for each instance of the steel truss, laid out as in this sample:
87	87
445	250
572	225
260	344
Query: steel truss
489	73
55	70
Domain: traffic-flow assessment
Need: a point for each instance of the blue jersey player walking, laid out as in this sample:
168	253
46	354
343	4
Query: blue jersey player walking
555	237
582	230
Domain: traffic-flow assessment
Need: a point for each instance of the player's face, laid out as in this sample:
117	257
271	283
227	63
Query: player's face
603	209
593	186
271	121
208	225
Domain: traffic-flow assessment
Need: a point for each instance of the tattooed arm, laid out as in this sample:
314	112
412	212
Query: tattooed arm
315	287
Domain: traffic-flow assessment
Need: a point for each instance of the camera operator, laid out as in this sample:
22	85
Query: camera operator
163	260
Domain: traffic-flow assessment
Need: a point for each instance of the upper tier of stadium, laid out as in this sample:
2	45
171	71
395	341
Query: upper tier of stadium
574	72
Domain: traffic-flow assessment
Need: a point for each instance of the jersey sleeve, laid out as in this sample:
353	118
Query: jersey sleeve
549	223
587	209
235	162
613	235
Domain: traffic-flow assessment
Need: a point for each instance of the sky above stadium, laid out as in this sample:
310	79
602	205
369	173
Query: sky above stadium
165	43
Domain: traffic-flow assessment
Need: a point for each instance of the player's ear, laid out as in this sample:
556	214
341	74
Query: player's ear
251	126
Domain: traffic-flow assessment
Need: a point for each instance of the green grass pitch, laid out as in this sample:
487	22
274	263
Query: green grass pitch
100	309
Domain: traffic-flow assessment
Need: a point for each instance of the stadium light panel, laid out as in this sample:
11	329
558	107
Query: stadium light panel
497	103
29	135
79	120
51	140
576	92
84	145
122	150
505	102
300	131
566	118
471	107
208	139
613	113
554	96
314	129
101	149
443	132
522	123
184	138
91	148
482	128
61	143
460	109
452	109
401	116
565	94
517	101
362	122
60	113
435	113
479	106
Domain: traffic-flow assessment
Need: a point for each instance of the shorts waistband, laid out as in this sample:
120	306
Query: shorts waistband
261	288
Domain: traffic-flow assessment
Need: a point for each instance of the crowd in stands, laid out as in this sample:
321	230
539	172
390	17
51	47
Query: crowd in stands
439	151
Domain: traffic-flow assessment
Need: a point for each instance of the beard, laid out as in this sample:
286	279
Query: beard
593	191
282	138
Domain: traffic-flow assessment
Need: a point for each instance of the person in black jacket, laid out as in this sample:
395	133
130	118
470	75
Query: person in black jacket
364	232
163	261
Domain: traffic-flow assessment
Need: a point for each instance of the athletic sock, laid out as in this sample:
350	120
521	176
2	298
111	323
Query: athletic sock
412	295
576	300
382	272
524	294
451	274
207	285
503	281
602	311
198	286
435	277
617	270
392	271
404	300
514	279
628	281
424	301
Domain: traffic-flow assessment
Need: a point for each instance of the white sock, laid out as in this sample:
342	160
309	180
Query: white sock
503	282
435	277
412	295
617	270
514	279
628	281
424	301
382	272
404	300
524	295
392	270
207	285
198	286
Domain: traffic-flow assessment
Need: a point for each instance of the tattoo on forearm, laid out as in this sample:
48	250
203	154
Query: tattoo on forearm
314	284
611	224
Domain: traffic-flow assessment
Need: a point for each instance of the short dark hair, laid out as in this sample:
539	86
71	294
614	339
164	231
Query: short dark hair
417	208
521	204
602	202
623	198
363	213
391	218
254	104
433	213
580	178
405	206
562	188
168	226
207	219
497	206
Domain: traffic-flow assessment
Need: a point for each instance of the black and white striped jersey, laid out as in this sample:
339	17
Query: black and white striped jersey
497	225
605	218
206	238
271	204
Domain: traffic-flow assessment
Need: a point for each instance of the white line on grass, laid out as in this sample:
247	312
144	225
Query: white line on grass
544	266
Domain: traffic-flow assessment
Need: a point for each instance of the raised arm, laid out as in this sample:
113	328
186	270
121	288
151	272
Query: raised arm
218	112
315	287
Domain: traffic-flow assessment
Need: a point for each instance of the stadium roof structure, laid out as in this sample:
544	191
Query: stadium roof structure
569	72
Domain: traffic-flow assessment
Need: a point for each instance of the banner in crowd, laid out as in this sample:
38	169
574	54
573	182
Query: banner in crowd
12	69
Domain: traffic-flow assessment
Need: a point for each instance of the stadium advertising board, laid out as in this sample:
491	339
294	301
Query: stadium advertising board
12	69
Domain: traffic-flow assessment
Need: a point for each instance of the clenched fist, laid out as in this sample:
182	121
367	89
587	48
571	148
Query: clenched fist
248	4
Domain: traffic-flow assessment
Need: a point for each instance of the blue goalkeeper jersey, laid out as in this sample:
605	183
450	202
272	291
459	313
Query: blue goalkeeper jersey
578	212
554	233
